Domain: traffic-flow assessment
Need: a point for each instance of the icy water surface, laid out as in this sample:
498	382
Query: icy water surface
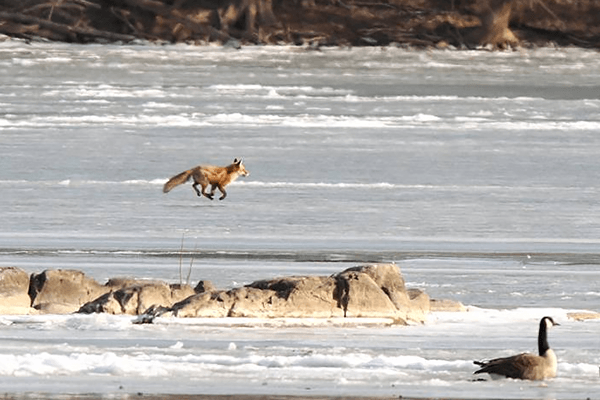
476	172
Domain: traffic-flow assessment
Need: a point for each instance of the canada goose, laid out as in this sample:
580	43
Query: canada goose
525	365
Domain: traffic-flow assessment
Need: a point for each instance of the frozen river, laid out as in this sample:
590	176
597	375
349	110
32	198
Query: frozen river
477	172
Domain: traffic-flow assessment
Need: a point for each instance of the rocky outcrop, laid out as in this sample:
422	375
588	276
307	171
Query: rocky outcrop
67	291
292	297
14	287
374	291
367	291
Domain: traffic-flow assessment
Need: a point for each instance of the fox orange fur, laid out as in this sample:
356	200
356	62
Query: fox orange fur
204	175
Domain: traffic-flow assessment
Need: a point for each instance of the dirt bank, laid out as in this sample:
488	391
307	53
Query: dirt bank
416	23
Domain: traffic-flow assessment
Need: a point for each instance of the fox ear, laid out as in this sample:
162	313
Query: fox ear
236	161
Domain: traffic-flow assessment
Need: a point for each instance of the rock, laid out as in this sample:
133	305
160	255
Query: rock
367	291
136	298
204	286
419	306
361	296
63	291
410	305
583	315
123	282
293	297
372	291
150	314
386	276
204	305
446	305
108	303
14	287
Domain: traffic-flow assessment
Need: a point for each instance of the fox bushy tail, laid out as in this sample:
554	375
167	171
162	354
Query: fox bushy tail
177	180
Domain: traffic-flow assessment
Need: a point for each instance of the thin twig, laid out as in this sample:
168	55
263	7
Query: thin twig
181	259
549	11
187	280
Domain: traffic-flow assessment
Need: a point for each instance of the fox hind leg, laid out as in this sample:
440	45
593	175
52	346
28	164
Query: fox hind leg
195	186
203	192
200	179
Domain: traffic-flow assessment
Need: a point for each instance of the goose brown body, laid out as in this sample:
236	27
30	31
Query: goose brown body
526	365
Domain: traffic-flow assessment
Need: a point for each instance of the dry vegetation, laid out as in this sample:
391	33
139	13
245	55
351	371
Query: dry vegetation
420	23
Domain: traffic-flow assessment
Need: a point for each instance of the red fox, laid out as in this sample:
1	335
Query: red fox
204	175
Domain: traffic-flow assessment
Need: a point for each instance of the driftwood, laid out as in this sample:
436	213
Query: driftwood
68	31
74	21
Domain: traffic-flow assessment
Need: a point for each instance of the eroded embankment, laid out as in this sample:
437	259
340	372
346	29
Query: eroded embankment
416	23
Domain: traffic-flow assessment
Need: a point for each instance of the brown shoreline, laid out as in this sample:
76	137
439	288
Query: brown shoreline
143	396
313	23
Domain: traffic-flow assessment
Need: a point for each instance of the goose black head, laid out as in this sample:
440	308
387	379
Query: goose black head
549	322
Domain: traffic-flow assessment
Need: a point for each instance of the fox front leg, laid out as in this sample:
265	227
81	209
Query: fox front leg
213	189
222	190
209	195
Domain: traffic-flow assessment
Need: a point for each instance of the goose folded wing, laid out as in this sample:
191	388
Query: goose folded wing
512	367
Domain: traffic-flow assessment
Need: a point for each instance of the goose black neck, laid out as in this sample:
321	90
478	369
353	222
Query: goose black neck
543	345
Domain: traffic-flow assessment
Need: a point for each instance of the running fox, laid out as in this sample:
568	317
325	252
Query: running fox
204	175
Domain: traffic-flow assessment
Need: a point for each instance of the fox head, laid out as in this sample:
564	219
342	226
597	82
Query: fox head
239	167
